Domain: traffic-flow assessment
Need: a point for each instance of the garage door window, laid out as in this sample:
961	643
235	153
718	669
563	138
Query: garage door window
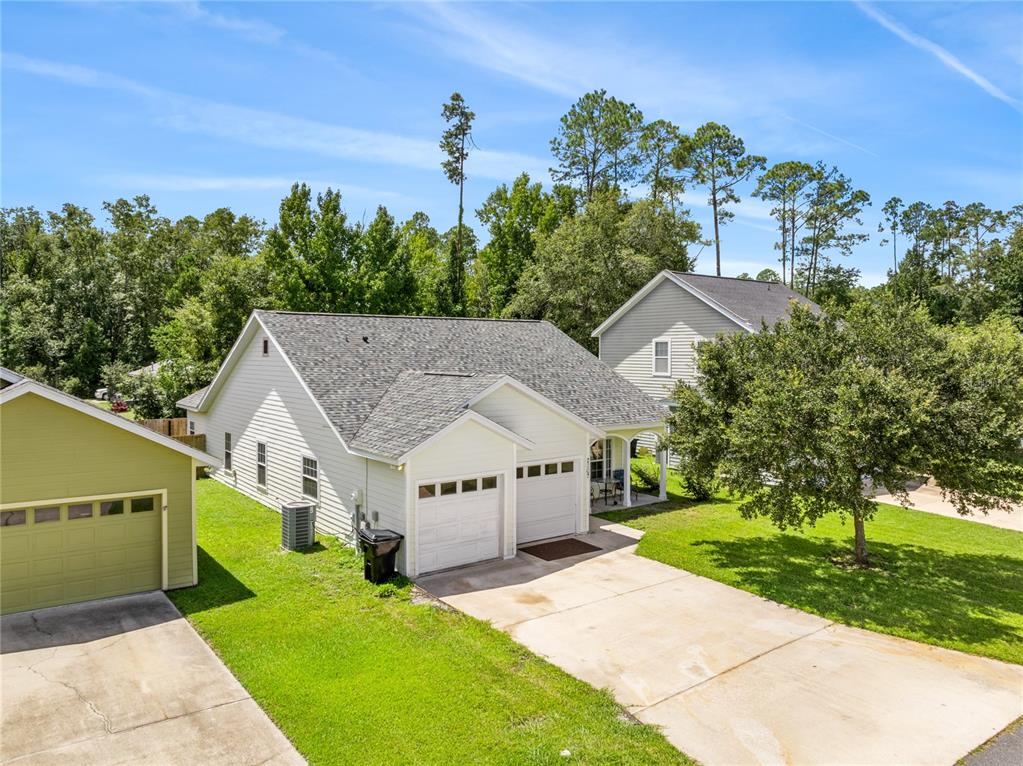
469	485
111	508
448	487
43	515
142	504
567	467
79	511
550	469
533	471
12	518
427	490
489	482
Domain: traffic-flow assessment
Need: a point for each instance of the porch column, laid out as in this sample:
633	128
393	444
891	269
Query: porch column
662	459
627	476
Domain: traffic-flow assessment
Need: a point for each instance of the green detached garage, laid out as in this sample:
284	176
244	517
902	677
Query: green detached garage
91	504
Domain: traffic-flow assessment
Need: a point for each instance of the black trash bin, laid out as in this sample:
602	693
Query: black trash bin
379	547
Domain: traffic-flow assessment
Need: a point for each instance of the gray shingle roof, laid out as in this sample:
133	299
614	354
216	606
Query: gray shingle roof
192	400
350	362
414	407
750	299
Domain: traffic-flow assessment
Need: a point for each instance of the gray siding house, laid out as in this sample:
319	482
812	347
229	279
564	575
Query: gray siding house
651	340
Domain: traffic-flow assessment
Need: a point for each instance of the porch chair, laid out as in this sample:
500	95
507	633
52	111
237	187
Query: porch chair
619	478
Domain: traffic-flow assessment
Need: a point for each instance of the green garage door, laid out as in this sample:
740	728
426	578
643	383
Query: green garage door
54	554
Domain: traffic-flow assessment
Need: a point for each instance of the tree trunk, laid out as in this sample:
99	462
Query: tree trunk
861	540
457	294
717	236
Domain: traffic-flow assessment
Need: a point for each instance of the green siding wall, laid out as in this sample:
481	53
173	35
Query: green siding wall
48	451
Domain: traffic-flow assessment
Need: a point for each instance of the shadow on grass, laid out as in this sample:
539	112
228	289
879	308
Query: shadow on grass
949	597
217	587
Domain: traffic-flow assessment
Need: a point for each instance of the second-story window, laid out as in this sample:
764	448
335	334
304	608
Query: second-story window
662	356
227	451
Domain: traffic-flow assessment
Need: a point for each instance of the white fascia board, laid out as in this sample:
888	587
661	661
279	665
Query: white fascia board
466	417
507	380
72	402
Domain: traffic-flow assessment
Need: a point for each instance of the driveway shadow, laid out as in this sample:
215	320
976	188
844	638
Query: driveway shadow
950	596
84	622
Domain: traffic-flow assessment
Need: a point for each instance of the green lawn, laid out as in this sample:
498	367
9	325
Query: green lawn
943	581
354	673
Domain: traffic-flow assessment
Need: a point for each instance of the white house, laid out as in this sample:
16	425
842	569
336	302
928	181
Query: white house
470	437
651	340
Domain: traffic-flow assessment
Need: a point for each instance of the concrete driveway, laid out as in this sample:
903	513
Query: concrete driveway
927	497
124	681
732	678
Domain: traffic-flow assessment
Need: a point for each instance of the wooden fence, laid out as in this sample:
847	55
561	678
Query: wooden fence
167	426
197	441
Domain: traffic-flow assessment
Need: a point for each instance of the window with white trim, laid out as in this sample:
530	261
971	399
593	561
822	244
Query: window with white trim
261	464
227	451
600	460
310	478
662	356
191	428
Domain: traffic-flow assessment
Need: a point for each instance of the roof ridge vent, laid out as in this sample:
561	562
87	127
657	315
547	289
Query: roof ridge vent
450	374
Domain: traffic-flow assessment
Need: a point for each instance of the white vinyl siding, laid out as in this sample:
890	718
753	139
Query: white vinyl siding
667	313
263	401
552	434
469	450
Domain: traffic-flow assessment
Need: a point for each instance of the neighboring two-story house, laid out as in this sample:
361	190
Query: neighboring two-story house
651	340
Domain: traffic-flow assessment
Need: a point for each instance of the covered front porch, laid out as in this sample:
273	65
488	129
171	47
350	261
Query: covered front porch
611	481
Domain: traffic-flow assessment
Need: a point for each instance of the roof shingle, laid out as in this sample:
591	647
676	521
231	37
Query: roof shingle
354	364
752	300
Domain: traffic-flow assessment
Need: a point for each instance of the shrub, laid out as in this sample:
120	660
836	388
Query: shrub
646	475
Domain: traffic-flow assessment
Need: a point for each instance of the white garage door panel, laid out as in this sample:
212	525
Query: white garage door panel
458	529
547	506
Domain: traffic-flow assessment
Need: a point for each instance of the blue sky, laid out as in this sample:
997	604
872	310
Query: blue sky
204	105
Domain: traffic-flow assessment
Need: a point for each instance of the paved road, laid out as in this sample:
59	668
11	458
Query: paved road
1005	750
125	681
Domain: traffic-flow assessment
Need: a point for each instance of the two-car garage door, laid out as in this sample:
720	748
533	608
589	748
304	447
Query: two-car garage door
61	552
458	521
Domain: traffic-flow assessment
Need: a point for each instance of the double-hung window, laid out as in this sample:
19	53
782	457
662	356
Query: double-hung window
662	357
310	478
261	464
227	451
600	460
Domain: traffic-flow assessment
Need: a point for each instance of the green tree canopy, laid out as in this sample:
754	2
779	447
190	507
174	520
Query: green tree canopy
594	262
799	419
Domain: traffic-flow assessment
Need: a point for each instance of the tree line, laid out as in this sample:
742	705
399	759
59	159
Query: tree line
82	303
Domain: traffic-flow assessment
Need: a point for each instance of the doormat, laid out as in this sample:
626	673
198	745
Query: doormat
559	549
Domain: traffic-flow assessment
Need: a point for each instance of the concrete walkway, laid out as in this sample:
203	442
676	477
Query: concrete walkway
125	681
928	498
732	678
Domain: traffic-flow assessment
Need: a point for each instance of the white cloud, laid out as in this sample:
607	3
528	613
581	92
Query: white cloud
255	30
174	182
941	54
276	131
570	62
